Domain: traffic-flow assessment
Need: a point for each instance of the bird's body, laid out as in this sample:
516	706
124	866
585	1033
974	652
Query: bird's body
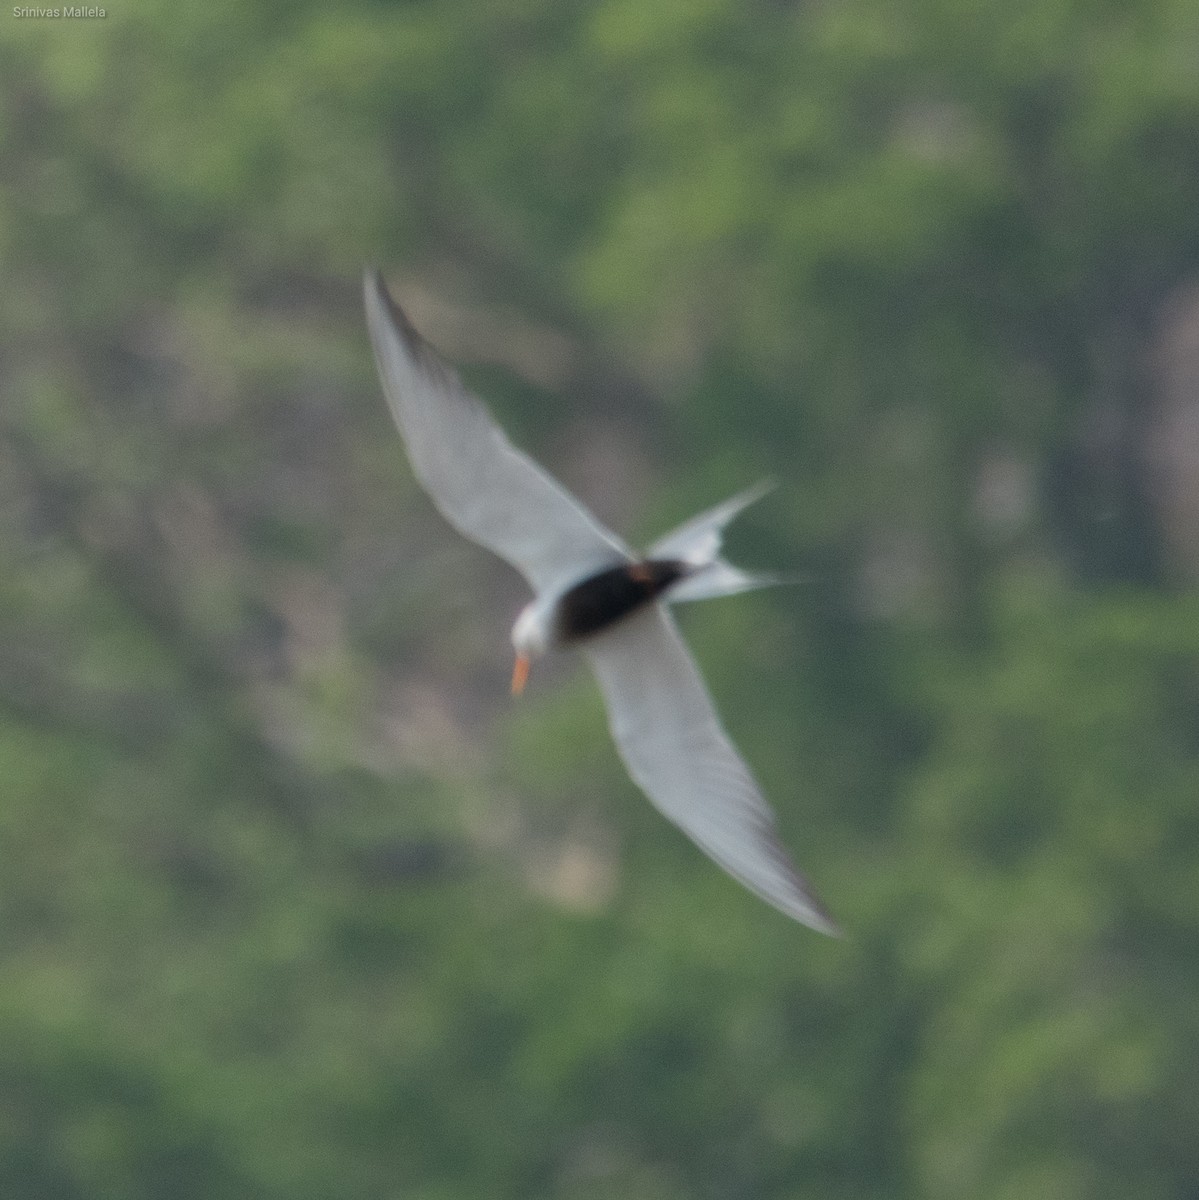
592	592
601	600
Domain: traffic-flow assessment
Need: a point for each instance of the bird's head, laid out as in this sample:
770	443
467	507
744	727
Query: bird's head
531	638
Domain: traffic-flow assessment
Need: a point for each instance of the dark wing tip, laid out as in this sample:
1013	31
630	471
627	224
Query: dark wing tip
377	294
810	910
823	922
380	300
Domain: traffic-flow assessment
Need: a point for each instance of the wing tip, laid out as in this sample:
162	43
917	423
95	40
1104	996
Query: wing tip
803	905
796	898
817	917
383	309
378	296
374	288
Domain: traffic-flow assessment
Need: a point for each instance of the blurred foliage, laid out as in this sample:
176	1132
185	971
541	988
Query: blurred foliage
294	902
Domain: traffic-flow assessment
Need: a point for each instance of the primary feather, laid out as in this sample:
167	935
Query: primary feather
676	750
484	486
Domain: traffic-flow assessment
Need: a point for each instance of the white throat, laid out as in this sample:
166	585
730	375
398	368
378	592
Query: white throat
532	634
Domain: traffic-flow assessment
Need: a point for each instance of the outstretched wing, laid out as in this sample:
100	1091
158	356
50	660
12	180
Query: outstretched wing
485	487
673	744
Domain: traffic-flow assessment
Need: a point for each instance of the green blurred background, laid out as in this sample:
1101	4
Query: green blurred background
296	904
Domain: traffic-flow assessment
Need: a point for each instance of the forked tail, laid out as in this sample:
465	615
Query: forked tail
697	542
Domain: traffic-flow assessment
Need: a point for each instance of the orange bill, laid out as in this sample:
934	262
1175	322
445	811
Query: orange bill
520	674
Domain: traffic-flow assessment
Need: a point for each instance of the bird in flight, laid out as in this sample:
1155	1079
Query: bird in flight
593	592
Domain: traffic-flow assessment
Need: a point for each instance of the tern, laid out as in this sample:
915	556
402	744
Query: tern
593	592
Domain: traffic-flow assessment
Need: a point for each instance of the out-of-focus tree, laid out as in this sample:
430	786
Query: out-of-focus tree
294	905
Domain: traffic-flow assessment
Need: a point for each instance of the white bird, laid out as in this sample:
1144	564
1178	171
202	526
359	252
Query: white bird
592	591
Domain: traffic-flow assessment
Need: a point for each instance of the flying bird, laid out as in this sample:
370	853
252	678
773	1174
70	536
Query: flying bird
592	591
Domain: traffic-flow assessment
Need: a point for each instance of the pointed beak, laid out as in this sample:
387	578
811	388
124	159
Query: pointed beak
520	674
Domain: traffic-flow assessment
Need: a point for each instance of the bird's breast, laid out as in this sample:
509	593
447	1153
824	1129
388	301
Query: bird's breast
599	601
